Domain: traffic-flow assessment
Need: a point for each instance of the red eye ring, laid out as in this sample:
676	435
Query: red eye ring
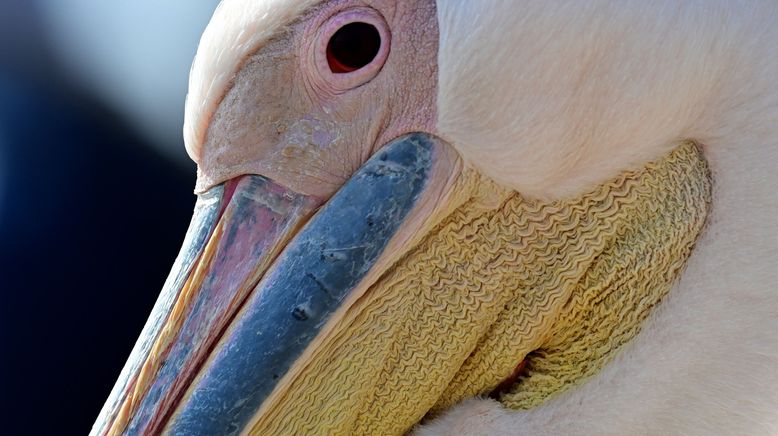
351	48
336	66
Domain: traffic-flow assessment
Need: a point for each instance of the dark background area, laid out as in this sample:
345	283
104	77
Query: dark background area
94	201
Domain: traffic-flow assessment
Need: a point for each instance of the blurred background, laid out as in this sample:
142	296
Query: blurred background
95	193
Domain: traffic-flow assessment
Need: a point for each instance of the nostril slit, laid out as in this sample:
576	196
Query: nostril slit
353	47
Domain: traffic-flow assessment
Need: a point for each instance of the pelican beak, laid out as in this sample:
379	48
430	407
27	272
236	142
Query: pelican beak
261	273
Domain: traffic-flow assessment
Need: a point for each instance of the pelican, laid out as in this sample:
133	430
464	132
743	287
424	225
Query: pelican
461	217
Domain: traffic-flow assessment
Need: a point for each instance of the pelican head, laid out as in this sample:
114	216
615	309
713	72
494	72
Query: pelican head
377	180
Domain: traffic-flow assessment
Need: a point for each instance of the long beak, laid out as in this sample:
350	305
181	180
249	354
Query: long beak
259	277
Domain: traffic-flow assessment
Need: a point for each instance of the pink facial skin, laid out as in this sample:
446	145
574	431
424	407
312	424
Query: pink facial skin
290	118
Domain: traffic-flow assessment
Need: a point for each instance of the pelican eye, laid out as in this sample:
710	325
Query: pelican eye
353	47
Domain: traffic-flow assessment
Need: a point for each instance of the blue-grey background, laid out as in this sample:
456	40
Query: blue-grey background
95	193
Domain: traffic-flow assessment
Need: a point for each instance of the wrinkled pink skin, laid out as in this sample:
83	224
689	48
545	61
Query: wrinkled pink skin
288	117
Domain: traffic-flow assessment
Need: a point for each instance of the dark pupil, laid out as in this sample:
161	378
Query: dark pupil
352	47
